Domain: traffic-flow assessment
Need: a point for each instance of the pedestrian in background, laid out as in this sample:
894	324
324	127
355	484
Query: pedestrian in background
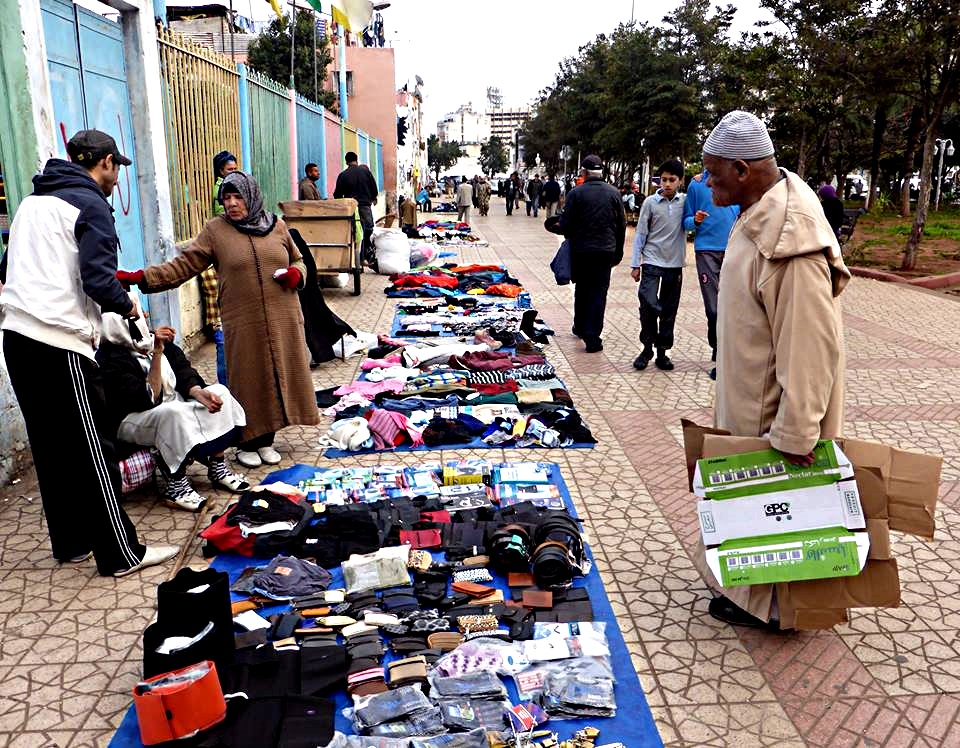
712	225
593	222
832	207
357	181
464	200
780	357
550	195
659	251
509	192
307	189
60	276
483	196
534	186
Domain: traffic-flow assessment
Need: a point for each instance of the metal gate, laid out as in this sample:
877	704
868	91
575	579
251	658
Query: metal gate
88	80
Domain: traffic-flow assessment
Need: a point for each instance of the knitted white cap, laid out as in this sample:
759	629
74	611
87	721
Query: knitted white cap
739	135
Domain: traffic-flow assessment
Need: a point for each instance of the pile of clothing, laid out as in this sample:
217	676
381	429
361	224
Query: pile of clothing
449	232
442	391
493	280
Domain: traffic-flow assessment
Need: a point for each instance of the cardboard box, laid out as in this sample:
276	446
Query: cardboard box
898	491
765	520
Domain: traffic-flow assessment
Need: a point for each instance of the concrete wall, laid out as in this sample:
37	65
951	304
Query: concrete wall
373	105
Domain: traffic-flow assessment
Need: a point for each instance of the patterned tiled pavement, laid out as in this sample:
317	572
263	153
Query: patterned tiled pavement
69	640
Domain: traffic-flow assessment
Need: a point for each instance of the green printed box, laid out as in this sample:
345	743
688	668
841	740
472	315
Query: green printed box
789	557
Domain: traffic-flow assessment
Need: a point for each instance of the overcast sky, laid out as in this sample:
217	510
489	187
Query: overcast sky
459	47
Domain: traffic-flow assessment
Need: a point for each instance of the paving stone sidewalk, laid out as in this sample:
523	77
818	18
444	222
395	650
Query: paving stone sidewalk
69	639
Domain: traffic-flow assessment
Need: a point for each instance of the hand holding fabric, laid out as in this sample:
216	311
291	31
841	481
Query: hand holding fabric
130	278
288	277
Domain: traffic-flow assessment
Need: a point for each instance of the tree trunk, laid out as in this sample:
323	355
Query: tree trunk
802	154
906	168
923	201
879	128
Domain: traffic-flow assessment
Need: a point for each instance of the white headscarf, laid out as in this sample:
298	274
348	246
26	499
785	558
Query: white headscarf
117	330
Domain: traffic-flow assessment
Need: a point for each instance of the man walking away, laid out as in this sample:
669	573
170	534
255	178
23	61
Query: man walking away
534	186
464	200
658	257
593	221
60	278
712	225
780	359
308	185
550	195
357	182
510	192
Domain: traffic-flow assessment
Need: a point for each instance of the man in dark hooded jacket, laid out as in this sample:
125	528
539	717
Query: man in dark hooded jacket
594	223
60	279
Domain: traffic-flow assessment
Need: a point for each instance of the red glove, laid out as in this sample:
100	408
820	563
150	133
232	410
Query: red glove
288	277
128	279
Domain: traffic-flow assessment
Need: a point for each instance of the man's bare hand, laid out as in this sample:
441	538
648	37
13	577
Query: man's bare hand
700	216
799	460
635	273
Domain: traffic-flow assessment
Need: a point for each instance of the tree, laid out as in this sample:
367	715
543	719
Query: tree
442	156
493	156
269	54
934	32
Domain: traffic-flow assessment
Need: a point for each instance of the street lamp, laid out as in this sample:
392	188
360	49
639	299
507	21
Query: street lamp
941	146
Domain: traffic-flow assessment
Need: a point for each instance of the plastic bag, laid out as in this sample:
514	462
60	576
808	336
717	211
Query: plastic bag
557	641
505	658
355	741
481	684
578	687
473	739
386	567
354	345
393	251
378	708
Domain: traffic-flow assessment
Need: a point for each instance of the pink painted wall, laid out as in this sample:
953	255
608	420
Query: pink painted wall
372	108
334	155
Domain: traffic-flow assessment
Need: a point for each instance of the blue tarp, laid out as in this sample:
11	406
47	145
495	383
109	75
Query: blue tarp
633	726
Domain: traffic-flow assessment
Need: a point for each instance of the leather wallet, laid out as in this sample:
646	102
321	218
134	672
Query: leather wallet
473	589
406	644
357	628
241	606
520	579
445	641
313	612
407	669
372	650
537	599
336	621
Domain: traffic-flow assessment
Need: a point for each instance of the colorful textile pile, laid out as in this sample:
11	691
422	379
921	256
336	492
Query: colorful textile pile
493	280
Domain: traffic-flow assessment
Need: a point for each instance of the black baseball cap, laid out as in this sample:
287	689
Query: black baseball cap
87	147
591	163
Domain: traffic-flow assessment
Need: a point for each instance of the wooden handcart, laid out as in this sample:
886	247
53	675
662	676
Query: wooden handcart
329	229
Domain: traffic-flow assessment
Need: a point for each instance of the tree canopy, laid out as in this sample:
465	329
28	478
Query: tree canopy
269	54
441	155
493	157
841	84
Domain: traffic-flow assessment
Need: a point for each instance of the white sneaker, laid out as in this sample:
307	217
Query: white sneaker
269	455
154	555
249	459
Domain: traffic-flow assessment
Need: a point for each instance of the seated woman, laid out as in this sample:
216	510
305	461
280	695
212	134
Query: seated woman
157	399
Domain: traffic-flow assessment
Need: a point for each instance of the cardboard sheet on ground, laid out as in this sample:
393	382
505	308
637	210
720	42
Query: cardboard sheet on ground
633	726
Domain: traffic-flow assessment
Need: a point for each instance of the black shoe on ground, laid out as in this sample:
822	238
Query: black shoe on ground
663	362
594	346
724	610
641	361
713	373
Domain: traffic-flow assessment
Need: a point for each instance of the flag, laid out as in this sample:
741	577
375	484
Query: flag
276	7
321	27
315	4
353	15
